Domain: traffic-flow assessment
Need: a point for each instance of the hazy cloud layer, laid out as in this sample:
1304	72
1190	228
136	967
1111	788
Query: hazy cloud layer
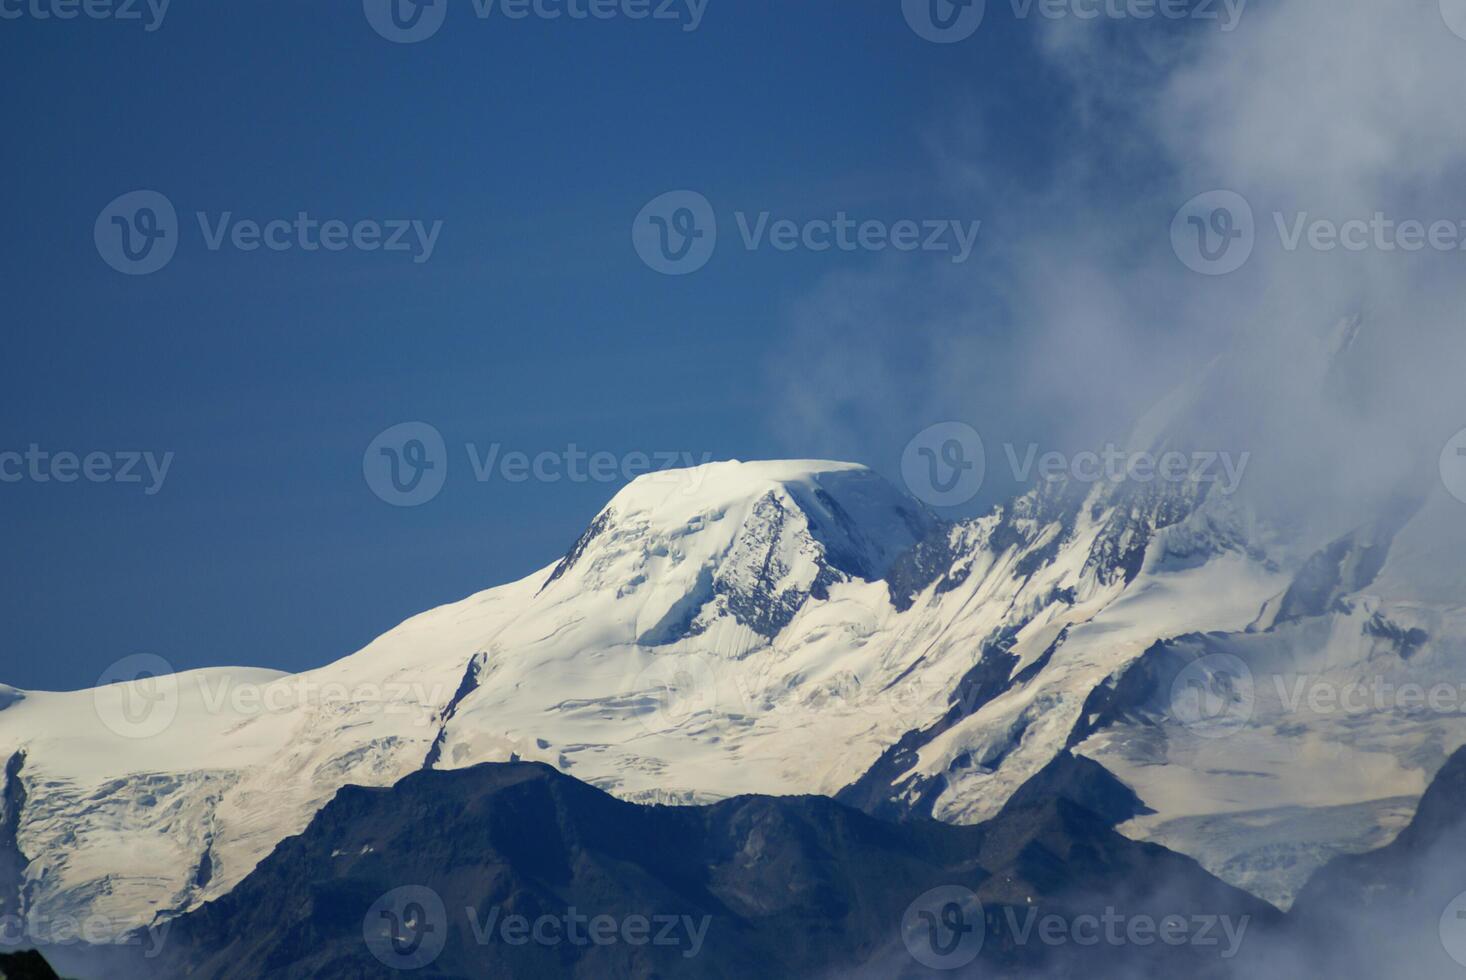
1077	314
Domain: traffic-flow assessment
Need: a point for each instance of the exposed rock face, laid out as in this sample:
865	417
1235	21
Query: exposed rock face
1395	897
13	861
794	886
750	887
28	965
806	627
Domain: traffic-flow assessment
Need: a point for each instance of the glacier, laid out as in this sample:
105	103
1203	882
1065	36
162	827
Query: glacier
805	627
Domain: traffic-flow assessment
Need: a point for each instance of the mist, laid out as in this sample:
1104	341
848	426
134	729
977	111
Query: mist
1078	315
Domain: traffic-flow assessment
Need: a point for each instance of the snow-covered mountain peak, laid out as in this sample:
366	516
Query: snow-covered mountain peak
788	627
853	511
749	542
671	493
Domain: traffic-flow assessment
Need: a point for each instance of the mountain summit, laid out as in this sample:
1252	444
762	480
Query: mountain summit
804	627
750	542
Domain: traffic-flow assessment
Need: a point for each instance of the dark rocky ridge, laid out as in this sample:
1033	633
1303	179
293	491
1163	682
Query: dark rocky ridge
1345	566
1391	912
27	965
794	887
790	887
13	861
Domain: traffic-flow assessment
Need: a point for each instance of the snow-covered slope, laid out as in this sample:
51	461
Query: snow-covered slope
804	627
708	632
148	797
1353	696
145	798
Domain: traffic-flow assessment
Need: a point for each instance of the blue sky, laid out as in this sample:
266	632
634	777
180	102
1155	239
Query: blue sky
533	324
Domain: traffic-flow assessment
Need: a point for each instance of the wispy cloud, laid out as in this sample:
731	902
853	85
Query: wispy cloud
1079	314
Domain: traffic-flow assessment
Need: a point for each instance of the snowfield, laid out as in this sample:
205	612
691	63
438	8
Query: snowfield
804	627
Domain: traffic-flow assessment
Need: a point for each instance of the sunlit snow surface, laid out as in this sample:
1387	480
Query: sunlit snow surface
729	629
